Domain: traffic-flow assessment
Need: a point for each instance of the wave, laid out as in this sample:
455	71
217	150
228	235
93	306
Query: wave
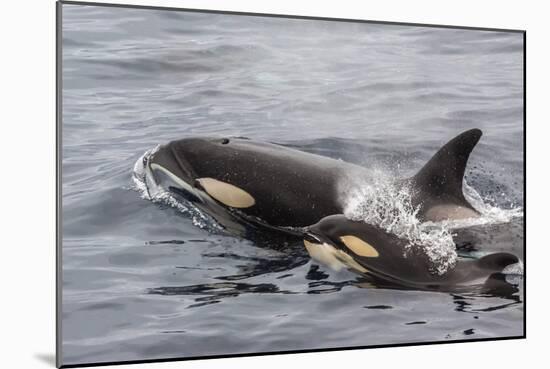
147	189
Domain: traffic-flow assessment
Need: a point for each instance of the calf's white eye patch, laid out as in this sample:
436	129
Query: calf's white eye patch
359	247
329	256
226	193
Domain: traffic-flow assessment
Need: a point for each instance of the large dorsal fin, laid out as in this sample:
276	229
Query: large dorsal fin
442	176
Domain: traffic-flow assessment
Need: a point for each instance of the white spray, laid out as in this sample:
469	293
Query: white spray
379	201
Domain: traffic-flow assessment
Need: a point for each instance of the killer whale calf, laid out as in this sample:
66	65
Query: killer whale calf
283	188
339	242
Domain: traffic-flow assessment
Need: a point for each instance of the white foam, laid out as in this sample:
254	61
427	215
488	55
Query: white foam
377	200
514	269
145	185
139	174
489	214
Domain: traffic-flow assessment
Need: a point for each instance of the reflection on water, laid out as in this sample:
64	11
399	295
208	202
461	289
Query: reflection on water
468	299
260	266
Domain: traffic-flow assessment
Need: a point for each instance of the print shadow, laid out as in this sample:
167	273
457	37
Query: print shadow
48	359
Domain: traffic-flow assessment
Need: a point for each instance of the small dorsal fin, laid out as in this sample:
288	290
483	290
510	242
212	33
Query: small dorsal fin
497	261
442	176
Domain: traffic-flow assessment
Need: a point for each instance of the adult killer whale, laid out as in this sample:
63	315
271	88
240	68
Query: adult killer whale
283	188
367	249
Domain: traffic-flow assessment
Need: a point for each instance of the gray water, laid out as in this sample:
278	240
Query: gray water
143	280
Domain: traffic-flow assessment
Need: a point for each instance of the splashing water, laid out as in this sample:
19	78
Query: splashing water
489	214
148	190
382	203
379	201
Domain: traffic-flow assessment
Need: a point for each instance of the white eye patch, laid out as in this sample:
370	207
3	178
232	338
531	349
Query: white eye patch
359	247
226	193
331	257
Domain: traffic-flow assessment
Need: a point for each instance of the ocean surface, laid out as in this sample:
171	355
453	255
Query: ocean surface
142	279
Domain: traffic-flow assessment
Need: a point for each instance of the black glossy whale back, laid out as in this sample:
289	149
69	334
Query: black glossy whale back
290	187
293	188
